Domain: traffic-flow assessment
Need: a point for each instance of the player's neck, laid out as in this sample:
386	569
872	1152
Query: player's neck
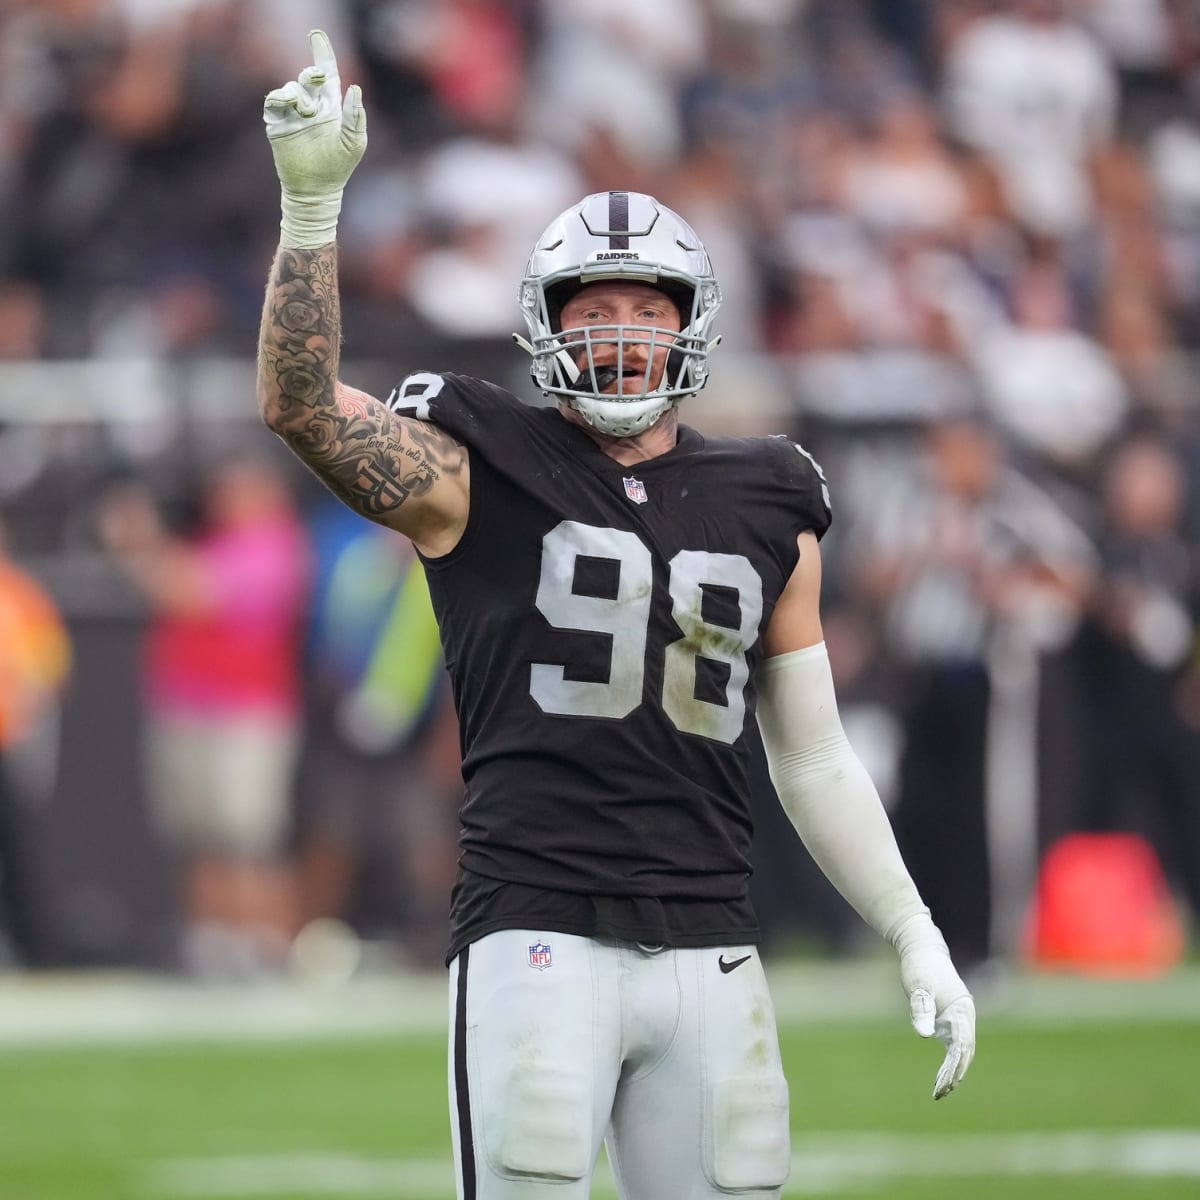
628	451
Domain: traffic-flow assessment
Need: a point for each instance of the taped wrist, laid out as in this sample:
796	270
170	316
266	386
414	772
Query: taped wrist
826	791
925	960
309	221
917	934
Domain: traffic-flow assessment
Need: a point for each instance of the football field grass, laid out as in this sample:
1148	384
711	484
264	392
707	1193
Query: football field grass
117	1089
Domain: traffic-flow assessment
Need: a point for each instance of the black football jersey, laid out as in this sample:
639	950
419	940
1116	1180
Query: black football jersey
602	626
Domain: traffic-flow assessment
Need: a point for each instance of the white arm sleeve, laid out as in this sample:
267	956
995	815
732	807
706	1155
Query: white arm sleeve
826	791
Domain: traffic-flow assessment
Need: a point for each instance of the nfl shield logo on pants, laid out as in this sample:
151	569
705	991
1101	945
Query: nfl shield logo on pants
539	955
635	489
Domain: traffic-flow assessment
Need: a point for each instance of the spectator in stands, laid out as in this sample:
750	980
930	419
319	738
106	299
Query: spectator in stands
380	787
903	179
1142	661
951	553
1047	382
223	704
1026	85
616	66
35	655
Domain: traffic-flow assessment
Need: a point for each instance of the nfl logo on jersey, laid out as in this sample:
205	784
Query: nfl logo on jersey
635	489
539	955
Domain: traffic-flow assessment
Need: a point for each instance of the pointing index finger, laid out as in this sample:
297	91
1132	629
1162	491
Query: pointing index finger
323	56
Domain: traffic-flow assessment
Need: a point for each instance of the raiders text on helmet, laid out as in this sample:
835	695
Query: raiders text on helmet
618	235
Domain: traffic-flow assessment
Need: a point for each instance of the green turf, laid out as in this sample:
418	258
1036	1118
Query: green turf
130	1123
1109	1076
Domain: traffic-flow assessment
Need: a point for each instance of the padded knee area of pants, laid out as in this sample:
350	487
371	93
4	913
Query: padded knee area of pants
544	1129
751	1137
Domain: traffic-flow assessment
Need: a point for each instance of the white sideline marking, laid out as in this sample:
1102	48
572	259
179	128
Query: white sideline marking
300	1174
821	1164
134	1009
848	1160
117	1009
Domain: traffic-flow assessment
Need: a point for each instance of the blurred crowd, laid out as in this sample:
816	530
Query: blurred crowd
959	242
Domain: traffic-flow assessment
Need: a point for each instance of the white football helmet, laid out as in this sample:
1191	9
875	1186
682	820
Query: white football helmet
618	235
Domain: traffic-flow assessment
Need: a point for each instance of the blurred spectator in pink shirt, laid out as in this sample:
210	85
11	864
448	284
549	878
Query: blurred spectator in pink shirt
223	704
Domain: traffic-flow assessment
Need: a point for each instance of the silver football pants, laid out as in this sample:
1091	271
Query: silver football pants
559	1043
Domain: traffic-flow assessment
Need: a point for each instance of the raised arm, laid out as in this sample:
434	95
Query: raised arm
402	473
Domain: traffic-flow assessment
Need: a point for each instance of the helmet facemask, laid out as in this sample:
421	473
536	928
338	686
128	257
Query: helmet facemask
655	247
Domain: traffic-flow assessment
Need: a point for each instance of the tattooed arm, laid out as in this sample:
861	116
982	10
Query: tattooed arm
402	473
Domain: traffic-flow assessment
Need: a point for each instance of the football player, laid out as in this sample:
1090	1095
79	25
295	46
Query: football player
618	598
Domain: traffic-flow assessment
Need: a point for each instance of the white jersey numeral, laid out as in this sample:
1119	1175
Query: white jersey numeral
415	392
691	572
625	619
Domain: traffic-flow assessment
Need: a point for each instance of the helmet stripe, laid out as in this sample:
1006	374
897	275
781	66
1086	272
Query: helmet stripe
618	218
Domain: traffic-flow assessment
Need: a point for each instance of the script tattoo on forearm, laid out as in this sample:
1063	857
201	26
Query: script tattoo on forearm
370	458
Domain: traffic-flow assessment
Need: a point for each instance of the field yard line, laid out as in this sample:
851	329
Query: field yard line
97	1008
302	1174
847	1159
821	1163
72	1009
870	989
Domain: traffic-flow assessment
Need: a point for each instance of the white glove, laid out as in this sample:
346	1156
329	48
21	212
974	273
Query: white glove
938	999
317	140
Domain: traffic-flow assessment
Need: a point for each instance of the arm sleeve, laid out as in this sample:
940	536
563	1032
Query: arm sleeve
834	806
828	795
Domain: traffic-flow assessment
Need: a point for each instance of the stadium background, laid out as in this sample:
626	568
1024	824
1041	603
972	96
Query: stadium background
917	210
